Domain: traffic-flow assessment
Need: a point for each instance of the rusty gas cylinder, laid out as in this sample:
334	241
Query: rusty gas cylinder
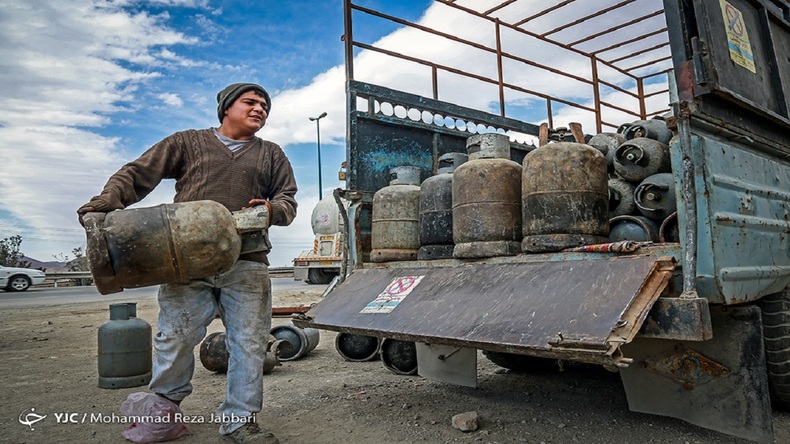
214	354
167	243
436	210
395	228
487	200
565	197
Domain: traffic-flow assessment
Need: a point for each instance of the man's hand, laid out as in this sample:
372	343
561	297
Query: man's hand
256	202
82	211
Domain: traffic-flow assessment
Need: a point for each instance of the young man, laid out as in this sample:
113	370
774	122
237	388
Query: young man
232	166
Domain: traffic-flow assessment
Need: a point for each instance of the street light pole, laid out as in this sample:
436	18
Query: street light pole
318	140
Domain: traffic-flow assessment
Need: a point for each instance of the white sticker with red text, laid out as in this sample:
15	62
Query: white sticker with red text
395	292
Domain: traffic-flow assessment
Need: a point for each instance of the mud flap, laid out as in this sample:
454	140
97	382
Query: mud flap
443	363
720	384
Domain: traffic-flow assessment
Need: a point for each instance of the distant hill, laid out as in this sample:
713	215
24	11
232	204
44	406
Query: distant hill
52	266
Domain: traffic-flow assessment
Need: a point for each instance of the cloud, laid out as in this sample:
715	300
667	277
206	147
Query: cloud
51	158
58	138
171	100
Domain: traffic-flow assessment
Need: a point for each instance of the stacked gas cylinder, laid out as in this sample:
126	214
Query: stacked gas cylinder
642	203
617	186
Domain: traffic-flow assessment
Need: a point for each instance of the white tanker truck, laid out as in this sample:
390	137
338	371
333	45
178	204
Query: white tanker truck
321	264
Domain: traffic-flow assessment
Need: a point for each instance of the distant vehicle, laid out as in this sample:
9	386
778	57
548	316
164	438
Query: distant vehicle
321	264
19	279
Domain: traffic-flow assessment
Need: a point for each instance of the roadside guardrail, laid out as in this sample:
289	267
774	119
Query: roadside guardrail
84	277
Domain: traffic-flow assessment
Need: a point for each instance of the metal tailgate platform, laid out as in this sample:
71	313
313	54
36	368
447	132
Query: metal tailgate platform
581	310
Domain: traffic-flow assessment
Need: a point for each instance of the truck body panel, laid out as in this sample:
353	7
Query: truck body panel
717	71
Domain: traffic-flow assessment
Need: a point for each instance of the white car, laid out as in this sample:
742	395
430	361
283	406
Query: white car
19	279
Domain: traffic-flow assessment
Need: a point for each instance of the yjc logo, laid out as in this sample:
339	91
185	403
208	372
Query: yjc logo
30	417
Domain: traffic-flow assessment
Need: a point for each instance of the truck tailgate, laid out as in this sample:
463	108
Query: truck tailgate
580	310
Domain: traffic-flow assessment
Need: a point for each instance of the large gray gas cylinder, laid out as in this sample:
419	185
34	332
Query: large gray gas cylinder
395	228
565	197
124	349
487	200
436	210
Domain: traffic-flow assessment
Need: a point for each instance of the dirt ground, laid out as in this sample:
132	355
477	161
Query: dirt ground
48	362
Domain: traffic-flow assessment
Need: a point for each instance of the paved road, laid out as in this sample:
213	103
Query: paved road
67	295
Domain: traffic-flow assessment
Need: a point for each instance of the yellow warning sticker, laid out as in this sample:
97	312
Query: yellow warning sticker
737	38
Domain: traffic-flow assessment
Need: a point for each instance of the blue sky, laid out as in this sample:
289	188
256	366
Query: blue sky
88	85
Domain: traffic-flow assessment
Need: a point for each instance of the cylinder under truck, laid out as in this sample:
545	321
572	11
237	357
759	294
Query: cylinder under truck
695	318
321	264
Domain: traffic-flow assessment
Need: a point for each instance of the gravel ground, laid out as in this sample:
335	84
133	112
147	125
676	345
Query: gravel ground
48	358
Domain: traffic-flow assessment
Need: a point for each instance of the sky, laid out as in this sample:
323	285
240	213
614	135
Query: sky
88	85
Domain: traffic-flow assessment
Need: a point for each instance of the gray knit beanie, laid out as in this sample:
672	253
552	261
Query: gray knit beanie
227	96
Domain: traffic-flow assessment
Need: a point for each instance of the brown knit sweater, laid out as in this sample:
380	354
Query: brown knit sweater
205	169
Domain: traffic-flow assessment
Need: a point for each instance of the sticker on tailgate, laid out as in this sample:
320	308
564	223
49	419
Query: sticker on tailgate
395	292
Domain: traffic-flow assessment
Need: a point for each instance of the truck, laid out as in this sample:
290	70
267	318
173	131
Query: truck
697	327
322	264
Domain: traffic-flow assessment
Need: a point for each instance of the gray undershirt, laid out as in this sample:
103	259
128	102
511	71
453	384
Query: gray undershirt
232	144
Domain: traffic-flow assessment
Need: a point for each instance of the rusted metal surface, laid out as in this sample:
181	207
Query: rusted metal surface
162	244
577	310
565	197
743	212
396	217
719	384
486	198
686	366
436	210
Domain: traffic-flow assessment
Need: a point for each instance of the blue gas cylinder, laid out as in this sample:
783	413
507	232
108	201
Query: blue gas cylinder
124	349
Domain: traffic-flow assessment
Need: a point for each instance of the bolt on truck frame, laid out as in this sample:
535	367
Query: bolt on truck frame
698	329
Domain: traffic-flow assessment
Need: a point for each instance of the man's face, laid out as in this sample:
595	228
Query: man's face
248	112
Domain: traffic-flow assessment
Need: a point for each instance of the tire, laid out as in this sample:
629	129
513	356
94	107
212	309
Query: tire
320	276
776	339
522	363
18	283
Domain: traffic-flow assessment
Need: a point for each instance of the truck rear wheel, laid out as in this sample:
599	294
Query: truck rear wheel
522	363
776	337
320	276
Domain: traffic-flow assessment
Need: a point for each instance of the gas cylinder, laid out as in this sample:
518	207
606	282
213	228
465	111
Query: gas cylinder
632	228
436	210
325	218
302	340
621	197
163	244
565	197
607	143
213	354
395	228
655	128
669	231
487	200
357	348
655	196
124	349
638	158
400	357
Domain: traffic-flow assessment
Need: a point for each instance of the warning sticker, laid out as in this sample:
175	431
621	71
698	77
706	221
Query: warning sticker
737	38
395	292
